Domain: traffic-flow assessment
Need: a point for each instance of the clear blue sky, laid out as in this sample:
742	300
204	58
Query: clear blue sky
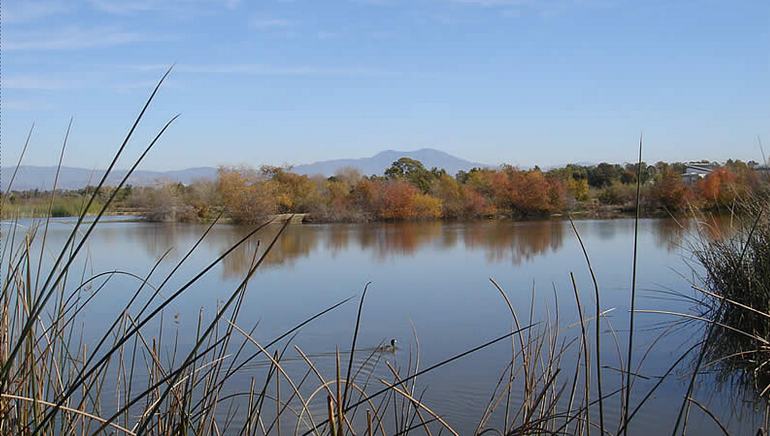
291	81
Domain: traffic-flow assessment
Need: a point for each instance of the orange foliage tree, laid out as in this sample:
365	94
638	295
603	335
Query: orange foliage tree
669	191
294	193
719	189
400	200
458	200
527	193
246	197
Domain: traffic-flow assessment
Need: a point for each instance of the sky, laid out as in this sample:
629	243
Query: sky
293	81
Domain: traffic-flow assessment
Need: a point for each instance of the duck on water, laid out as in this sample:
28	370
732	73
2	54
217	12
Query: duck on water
388	348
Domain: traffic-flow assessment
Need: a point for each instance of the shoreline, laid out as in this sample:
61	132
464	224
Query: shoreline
605	213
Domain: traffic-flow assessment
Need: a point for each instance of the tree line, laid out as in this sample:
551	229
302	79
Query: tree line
407	190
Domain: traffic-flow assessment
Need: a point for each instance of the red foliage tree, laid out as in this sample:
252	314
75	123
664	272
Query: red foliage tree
718	188
669	191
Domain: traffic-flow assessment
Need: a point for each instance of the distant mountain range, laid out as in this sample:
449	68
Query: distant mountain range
378	163
42	177
36	177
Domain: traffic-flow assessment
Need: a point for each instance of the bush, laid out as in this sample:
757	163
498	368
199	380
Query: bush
396	200
669	192
424	206
59	211
618	194
246	197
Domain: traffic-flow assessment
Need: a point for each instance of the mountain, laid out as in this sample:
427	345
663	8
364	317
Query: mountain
37	177
42	177
381	161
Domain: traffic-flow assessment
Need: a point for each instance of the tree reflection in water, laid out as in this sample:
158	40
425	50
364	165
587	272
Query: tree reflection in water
501	241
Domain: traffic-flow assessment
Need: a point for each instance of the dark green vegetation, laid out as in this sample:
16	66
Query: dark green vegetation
51	382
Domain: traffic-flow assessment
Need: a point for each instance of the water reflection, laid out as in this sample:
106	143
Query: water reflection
689	234
670	234
295	243
515	242
501	241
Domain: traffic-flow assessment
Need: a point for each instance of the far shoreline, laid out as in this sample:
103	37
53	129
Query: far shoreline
606	213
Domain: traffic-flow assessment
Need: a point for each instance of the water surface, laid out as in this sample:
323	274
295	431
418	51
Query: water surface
431	280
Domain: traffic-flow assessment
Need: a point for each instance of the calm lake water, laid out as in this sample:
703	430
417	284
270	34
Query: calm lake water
432	280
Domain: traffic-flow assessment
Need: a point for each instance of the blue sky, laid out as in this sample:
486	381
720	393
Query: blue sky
292	81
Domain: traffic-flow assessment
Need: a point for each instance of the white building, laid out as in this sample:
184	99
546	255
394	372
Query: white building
695	171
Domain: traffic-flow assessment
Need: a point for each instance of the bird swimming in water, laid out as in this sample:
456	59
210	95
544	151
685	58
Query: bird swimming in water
388	348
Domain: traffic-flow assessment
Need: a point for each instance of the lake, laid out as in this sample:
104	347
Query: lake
429	285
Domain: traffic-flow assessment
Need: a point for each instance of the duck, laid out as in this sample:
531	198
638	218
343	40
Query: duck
388	348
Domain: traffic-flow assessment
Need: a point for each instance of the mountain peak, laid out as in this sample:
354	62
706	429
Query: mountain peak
377	164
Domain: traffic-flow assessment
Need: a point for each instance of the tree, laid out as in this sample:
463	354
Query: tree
294	193
396	200
668	191
578	188
604	174
400	200
628	174
720	188
535	194
450	192
165	203
426	207
412	171
618	194
246	196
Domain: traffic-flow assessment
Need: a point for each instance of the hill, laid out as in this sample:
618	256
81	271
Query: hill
379	162
42	177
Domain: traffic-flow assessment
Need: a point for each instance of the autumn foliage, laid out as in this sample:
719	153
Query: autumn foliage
669	191
725	186
409	191
246	197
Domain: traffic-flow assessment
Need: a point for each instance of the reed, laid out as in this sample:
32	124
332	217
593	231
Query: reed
736	299
131	380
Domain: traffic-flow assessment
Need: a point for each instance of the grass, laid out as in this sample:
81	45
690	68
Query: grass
129	381
69	206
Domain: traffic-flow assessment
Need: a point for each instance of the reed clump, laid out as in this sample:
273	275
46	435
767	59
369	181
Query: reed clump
736	291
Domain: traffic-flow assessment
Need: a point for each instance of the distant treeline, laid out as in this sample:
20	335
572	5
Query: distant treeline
409	191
